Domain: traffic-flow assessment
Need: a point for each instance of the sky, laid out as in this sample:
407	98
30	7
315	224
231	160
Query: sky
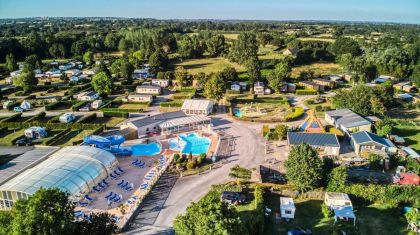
404	11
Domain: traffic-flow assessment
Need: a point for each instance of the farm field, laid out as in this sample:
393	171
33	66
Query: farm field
207	65
270	52
324	39
318	68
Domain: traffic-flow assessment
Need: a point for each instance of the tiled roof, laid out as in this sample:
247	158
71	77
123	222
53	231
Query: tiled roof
314	139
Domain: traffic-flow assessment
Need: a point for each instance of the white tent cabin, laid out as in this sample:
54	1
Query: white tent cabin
36	132
287	208
25	105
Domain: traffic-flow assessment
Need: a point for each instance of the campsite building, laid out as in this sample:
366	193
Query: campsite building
149	90
73	169
138	98
366	141
197	107
325	82
288	88
160	82
166	123
325	144
312	85
347	121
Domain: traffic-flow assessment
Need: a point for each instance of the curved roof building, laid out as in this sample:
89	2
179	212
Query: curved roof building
74	169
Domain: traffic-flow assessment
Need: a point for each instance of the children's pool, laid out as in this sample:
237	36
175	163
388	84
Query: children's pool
146	149
191	143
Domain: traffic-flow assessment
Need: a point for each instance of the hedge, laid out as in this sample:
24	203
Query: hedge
182	96
116	114
232	92
173	103
52	106
12	105
386	194
49	125
12	118
297	113
55	119
37	116
122	110
57	137
306	92
86	118
78	105
13	141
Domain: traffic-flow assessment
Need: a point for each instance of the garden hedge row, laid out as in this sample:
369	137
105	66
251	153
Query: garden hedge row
173	103
232	92
37	116
12	105
306	92
53	105
57	137
116	114
122	110
297	113
49	125
11	118
87	118
78	105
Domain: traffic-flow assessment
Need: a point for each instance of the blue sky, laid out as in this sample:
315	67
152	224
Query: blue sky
407	11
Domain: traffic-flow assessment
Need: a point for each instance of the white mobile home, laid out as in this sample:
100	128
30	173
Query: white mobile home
335	200
67	118
287	208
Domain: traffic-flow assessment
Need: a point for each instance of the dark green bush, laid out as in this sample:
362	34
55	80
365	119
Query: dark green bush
78	105
306	92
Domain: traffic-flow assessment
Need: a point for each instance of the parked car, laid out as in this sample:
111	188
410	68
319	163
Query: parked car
233	197
299	231
24	142
18	109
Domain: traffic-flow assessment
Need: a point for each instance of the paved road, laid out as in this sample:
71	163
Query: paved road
248	151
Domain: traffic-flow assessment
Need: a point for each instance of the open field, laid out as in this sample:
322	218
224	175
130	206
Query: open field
318	68
324	39
372	219
270	52
207	65
411	134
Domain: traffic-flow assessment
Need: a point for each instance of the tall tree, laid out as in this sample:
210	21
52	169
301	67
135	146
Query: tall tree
253	70
277	77
111	41
48	211
229	74
215	87
102	83
88	57
99	224
415	76
158	61
181	76
57	50
11	64
337	178
209	216
26	79
304	167
216	45
244	48
345	45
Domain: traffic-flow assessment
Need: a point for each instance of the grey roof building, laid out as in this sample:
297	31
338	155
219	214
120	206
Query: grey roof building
364	140
326	144
347	121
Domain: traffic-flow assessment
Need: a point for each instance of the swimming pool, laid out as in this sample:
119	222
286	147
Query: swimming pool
146	149
190	143
237	112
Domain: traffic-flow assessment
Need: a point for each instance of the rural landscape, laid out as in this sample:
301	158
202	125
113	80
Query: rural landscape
136	125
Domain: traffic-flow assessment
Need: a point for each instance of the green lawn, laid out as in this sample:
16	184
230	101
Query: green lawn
411	134
72	136
109	121
319	69
7	136
372	219
270	52
207	65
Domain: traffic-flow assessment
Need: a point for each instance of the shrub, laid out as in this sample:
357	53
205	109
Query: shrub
35	117
233	92
176	157
122	110
306	92
297	113
326	211
55	119
12	105
318	108
191	164
173	103
310	102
